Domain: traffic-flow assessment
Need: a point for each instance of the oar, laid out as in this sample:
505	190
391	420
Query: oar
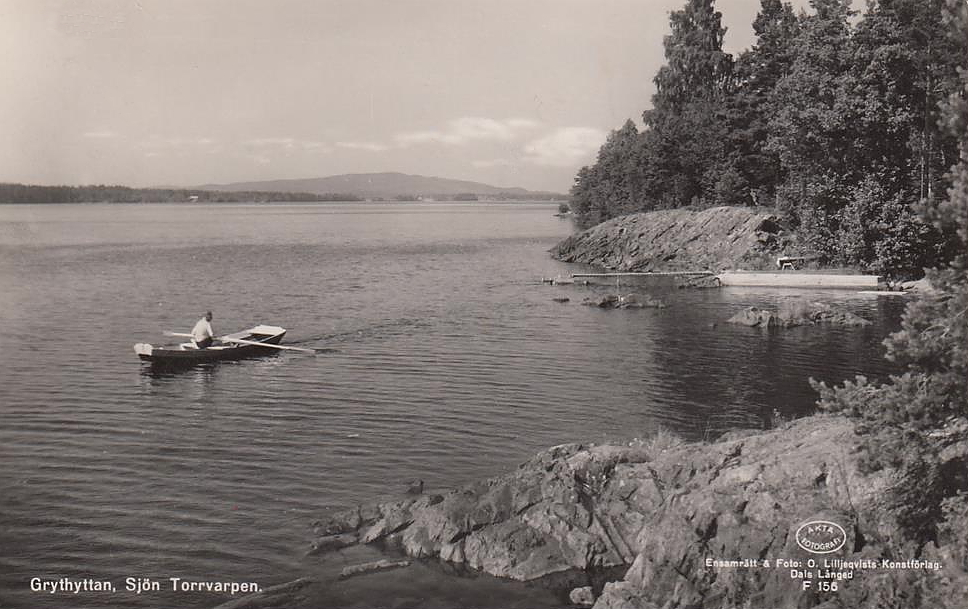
226	339
252	342
181	334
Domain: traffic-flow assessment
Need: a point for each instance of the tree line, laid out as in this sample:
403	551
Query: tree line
917	422
830	117
24	193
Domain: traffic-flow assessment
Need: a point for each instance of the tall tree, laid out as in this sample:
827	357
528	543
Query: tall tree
612	186
696	66
909	421
687	118
904	66
811	129
753	100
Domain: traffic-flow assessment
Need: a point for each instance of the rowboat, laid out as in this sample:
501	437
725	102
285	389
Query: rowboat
260	340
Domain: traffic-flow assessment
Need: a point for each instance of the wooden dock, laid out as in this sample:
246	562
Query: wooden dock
650	274
782	279
797	280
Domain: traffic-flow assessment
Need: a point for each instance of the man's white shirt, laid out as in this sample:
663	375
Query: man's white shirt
202	330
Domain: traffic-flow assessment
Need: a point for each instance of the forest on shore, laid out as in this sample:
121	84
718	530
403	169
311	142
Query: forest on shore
855	127
832	118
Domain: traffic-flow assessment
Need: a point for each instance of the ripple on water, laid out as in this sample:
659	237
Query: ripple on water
452	364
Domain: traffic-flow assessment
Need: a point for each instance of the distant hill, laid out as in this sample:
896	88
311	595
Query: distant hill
381	185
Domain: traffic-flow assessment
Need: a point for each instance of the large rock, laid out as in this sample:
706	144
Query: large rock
668	514
679	239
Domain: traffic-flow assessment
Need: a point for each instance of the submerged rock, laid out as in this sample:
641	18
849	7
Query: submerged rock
755	317
629	301
608	301
582	596
797	313
370	567
820	313
331	543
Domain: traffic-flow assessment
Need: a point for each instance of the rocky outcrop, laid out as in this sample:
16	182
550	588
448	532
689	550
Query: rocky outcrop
628	301
672	515
797	313
713	239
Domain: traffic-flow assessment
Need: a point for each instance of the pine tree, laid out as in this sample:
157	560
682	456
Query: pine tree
907	422
687	122
753	100
811	129
696	67
903	66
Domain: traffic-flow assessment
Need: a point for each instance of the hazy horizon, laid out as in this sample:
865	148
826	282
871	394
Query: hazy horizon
152	93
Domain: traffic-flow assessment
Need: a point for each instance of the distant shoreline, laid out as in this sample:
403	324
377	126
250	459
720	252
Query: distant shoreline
278	202
12	194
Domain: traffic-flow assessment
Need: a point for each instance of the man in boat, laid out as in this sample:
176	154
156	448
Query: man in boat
202	334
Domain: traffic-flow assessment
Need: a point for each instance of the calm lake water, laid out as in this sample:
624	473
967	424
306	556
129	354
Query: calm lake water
451	362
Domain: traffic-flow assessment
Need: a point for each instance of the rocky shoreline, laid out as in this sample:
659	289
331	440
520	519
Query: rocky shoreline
681	240
784	518
689	524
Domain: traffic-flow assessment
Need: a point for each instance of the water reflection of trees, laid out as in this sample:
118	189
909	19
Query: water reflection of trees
727	377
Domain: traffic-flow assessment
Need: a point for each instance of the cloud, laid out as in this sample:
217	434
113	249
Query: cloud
368	146
156	142
467	129
409	138
274	144
564	147
312	146
263	142
173	145
101	135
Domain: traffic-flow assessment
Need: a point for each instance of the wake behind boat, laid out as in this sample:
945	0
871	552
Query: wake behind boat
256	341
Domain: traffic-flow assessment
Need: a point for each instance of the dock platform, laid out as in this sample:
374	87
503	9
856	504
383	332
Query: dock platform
798	280
649	274
782	279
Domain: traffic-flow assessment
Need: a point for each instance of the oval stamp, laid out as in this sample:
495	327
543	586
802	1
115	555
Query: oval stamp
821	536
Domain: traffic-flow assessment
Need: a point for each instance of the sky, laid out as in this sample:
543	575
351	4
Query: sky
189	92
